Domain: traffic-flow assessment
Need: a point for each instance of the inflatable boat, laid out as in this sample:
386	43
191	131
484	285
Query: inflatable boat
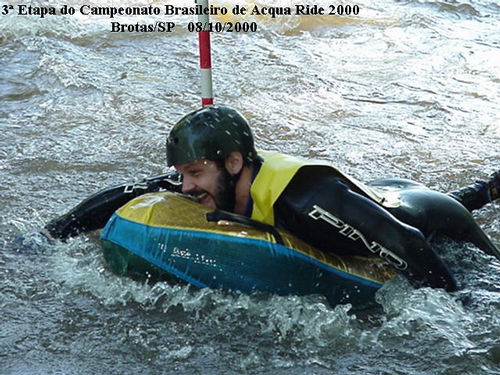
167	236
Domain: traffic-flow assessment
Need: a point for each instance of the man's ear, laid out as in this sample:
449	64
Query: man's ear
234	163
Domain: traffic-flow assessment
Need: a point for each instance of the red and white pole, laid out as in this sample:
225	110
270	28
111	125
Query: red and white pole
207	96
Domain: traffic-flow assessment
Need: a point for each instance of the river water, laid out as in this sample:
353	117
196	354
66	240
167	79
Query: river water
405	88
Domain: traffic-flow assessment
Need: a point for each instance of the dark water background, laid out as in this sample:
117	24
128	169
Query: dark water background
406	88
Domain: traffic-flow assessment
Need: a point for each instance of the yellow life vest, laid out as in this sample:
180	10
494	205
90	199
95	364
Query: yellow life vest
277	171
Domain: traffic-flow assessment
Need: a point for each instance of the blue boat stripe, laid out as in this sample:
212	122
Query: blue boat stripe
118	240
280	249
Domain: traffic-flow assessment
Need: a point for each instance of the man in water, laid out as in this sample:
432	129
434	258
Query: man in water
213	149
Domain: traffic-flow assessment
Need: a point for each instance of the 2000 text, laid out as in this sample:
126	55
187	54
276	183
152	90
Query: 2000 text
219	27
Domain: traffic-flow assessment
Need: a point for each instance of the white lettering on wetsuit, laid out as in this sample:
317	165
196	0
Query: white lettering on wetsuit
352	233
143	185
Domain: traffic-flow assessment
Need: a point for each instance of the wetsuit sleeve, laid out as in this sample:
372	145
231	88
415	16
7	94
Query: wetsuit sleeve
94	212
326	212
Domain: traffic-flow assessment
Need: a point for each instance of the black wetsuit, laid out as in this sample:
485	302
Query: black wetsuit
94	212
328	212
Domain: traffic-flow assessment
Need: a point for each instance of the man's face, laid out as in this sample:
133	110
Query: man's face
210	183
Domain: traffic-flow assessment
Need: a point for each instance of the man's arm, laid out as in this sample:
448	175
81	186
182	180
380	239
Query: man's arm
94	212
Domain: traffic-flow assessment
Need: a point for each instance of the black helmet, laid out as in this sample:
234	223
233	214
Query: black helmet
212	133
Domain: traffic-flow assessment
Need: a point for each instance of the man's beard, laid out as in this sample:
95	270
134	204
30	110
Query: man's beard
225	196
225	190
